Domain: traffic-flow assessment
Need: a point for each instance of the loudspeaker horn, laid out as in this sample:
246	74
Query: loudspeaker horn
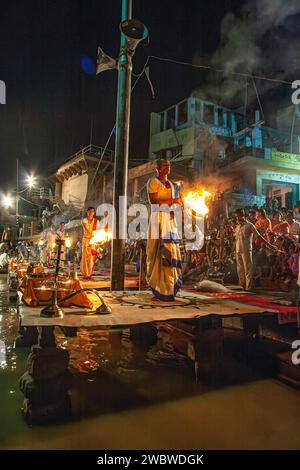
104	62
134	31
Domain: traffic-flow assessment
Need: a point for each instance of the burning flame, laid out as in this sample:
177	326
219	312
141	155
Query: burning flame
100	236
196	201
68	242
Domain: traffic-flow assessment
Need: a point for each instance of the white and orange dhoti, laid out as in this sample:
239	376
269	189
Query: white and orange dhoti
88	257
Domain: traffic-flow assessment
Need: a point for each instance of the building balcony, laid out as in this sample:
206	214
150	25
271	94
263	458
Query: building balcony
87	157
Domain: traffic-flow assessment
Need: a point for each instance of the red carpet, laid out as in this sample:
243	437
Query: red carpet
286	314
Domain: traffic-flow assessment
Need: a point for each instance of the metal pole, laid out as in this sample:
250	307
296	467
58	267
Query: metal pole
121	158
17	192
141	267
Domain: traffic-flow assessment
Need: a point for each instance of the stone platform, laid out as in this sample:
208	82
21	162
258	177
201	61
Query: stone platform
137	307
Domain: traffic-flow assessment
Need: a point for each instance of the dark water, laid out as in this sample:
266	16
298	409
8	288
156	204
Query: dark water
153	386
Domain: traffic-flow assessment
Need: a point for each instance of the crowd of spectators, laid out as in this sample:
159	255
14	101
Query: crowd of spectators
280	228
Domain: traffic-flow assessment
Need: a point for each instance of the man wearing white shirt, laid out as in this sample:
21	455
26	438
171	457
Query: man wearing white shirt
245	233
296	211
4	260
294	225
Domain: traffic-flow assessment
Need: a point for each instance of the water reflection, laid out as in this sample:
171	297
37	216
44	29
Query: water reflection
118	369
8	328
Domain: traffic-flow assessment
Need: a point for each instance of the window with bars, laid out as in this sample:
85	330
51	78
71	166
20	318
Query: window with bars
170	153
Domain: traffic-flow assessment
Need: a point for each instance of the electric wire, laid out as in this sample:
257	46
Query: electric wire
138	76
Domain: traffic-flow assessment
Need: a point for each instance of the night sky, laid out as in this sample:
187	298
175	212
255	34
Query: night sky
51	101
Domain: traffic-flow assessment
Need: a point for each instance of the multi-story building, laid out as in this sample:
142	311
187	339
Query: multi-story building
257	162
84	178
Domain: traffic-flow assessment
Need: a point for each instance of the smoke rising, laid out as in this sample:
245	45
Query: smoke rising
263	38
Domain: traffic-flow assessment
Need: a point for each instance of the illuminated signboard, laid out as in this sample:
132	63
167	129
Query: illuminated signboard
285	157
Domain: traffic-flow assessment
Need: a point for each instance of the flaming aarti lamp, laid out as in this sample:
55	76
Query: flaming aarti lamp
54	310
